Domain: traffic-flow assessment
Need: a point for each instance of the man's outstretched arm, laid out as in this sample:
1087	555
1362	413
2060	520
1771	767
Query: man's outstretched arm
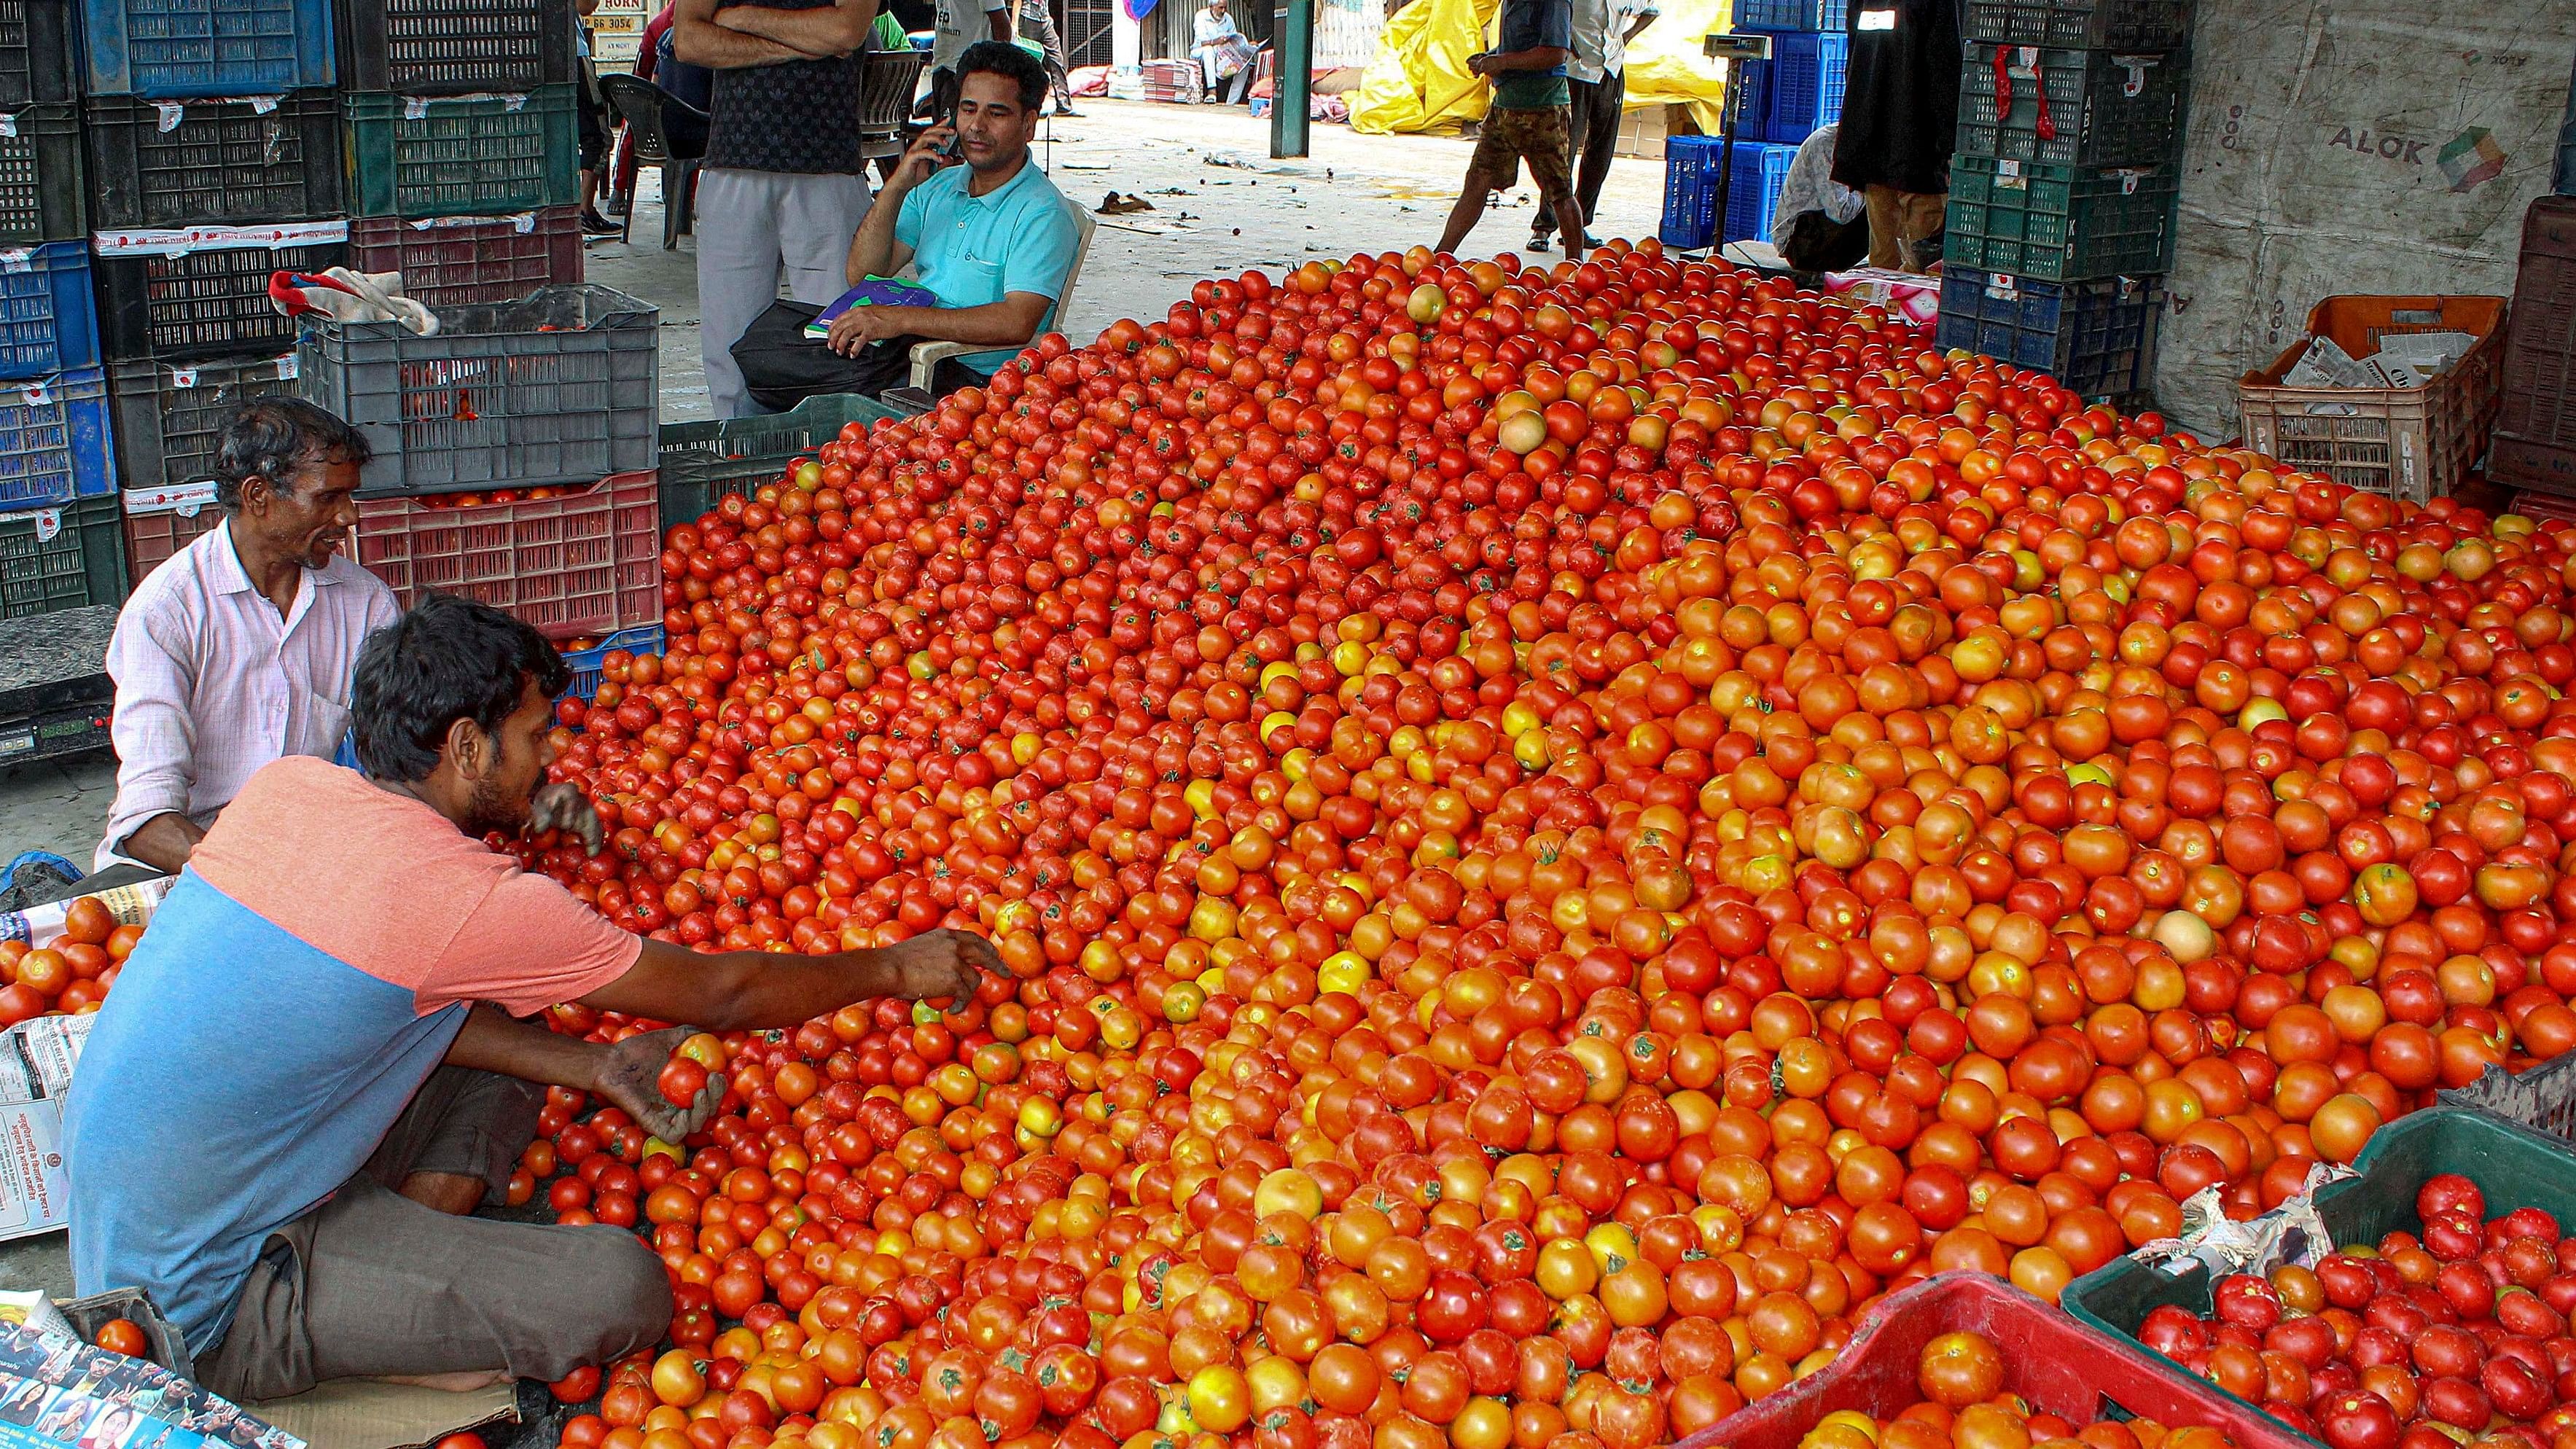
747	990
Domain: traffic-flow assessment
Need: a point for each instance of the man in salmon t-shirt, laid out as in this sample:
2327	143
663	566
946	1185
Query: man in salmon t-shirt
310	1070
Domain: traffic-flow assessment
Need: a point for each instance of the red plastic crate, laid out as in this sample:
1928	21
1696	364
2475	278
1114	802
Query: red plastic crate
462	261
160	521
2057	1364
583	563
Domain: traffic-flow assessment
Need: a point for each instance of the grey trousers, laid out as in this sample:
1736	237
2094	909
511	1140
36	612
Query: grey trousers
372	1283
752	227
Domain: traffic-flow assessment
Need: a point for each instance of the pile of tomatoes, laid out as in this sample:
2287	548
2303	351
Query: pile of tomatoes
1555	835
69	974
2412	1342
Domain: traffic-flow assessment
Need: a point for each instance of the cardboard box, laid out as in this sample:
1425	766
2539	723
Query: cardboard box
367	1414
1642	131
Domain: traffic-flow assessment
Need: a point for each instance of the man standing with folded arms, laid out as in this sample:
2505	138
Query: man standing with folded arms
781	188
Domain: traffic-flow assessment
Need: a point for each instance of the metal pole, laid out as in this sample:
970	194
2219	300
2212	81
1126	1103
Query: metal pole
1294	43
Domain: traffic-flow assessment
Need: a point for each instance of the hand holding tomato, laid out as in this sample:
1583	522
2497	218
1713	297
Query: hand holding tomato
629	1074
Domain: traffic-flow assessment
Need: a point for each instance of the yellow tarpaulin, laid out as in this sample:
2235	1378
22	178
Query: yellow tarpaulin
1418	80
1666	66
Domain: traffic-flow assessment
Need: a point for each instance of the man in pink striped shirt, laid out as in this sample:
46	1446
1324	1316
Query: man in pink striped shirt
240	648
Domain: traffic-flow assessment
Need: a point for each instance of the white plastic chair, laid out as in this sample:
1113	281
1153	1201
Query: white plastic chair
926	356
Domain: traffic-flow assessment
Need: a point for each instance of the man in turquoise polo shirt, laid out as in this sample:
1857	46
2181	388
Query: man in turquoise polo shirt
992	239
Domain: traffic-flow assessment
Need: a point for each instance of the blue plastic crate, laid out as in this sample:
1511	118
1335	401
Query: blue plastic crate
48	313
55	441
2097	338
1690	192
1753	194
169	49
1798	89
1778	15
586	663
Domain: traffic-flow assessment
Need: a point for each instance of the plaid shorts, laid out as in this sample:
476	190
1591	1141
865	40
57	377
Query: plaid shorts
1538	136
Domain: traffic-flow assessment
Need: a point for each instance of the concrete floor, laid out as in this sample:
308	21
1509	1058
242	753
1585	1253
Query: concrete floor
1221	206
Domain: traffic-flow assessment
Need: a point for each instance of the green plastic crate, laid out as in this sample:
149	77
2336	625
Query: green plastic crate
2104	108
62	558
702	462
423	157
2513	1165
2061	223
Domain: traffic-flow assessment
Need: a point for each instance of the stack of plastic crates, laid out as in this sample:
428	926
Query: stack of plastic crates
462	108
2063	188
515	453
1690	190
57	468
1781	101
207	152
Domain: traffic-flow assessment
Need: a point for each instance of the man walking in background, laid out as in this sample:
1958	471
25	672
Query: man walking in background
1039	25
1527	123
781	189
1597	77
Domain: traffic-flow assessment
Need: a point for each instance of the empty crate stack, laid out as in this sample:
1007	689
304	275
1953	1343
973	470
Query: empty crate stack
1779	103
514	453
461	132
59	546
211	138
1785	99
2061	212
514	449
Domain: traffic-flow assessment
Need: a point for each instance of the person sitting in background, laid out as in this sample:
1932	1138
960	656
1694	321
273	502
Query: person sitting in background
1221	51
1820	225
993	240
242	647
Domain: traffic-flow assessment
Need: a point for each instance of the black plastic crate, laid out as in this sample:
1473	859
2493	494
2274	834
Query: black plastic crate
2061	223
206	296
267	159
42	195
169	416
454	261
422	156
39	52
2096	338
2083	24
62	558
561	387
2103	108
455	47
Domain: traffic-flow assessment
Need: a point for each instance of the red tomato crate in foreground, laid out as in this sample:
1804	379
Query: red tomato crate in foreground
2059	1365
585	561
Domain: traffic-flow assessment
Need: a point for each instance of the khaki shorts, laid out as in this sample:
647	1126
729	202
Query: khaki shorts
1512	137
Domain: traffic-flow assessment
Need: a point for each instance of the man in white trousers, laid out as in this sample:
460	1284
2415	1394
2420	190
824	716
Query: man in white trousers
781	190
